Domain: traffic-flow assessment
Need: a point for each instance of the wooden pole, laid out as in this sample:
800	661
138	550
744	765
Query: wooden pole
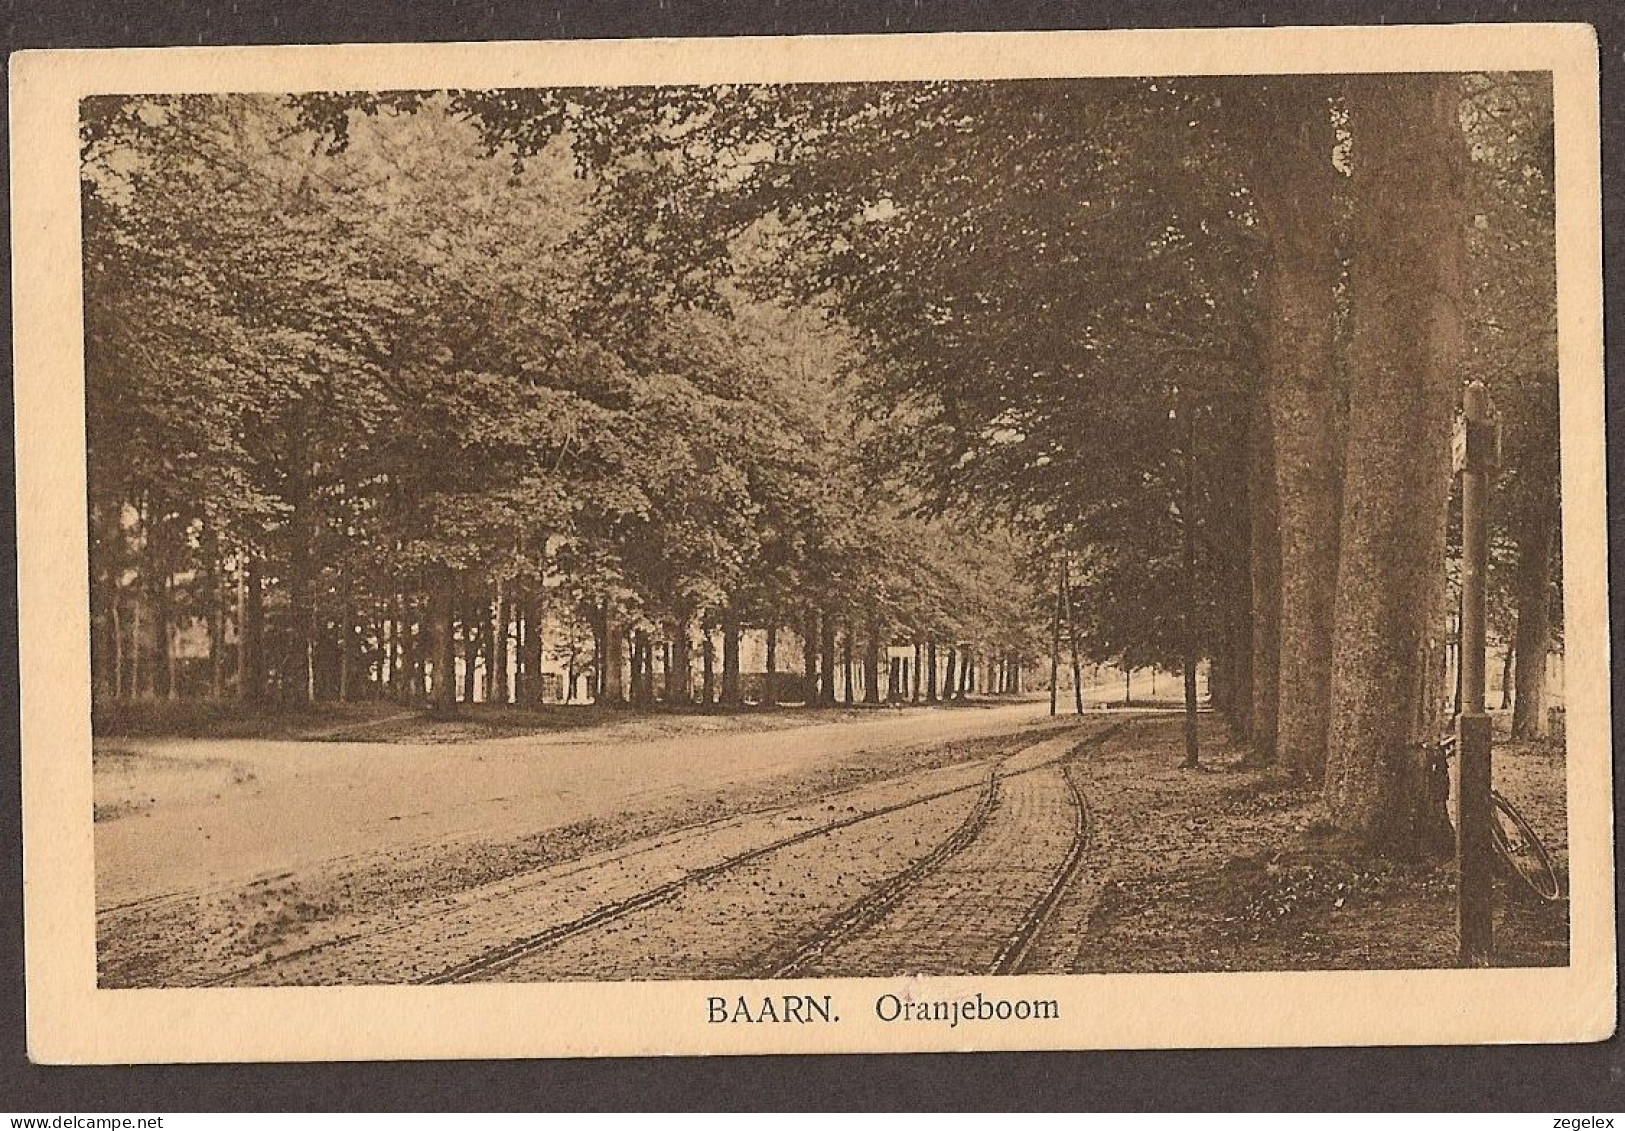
1055	639
1478	458
1187	523
1072	635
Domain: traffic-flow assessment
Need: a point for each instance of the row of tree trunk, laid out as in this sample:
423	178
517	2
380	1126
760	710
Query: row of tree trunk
495	640
1346	586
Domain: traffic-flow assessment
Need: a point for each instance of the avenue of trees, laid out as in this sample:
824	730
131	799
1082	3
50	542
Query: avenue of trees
377	409
376	381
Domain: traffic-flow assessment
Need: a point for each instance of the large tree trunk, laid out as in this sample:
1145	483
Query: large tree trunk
531	691
646	668
215	579
1239	669
521	632
613	659
444	687
930	671
135	639
846	666
417	672
106	540
680	671
731	696
158	587
306	605
393	653
377	676
1294	182
346	634
1533	638
635	669
642	670
473	614
871	662
502	615
1187	523
1408	283
809	655
1264	561
116	655
770	684
1308	496
386	655
708	671
171	631
826	659
600	650
488	650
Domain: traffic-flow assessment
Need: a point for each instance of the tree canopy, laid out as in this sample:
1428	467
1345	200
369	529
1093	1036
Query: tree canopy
884	360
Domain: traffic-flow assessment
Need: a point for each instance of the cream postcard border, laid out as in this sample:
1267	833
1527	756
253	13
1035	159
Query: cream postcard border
70	1020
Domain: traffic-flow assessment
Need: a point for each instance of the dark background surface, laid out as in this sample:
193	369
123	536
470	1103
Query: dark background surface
1561	1079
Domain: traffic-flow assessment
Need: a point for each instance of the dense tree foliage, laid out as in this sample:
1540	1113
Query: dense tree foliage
375	378
347	400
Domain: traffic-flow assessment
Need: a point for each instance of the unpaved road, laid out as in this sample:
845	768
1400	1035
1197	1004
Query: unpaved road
185	814
583	855
1008	843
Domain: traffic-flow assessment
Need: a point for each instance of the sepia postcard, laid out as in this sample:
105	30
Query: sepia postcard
833	544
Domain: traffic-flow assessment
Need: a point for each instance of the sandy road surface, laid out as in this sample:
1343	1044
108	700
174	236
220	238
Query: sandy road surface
750	895
691	903
311	863
191	814
1029	845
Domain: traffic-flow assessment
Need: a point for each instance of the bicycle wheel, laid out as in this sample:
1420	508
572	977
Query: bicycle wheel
1521	852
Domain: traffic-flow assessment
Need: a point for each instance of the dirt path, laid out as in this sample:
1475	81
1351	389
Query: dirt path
1060	845
589	917
735	897
367	915
186	815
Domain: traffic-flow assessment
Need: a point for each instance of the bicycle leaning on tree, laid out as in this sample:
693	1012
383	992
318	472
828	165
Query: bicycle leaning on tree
1518	851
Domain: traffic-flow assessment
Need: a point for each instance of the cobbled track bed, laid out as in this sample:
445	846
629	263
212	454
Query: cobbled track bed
987	908
716	927
810	907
